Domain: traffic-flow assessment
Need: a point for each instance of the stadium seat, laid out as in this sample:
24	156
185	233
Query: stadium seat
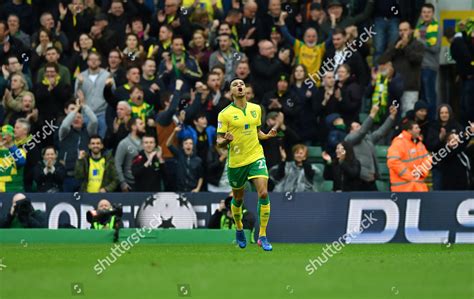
326	186
383	186
383	171
314	154
381	152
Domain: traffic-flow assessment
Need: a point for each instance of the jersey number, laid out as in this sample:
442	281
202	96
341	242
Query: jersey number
261	164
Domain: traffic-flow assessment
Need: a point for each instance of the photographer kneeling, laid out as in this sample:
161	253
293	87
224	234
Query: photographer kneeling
107	216
23	215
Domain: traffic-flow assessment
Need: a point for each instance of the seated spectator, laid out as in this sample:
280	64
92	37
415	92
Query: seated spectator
49	173
127	150
13	97
222	217
216	170
23	215
106	216
296	175
345	168
408	160
96	170
190	174
12	159
74	137
456	163
148	167
363	142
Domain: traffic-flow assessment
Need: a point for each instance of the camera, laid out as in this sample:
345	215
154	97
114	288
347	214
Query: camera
103	216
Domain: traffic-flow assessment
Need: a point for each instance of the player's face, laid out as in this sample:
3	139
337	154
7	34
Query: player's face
238	88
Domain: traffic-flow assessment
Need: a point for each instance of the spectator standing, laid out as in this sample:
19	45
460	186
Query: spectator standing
408	160
49	173
363	142
427	33
148	167
407	56
96	170
12	159
127	150
190	176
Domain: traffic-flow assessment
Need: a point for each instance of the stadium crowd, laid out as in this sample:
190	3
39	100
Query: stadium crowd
112	95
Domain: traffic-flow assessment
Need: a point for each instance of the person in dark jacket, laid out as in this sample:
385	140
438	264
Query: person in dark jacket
217	180
49	173
23	215
148	167
435	138
348	93
345	168
281	99
456	164
406	55
337	132
420	115
325	104
97	171
190	174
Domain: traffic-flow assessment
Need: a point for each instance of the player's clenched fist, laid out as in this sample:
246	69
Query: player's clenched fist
228	136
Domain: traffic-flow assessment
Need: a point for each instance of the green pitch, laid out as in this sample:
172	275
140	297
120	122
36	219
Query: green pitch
396	271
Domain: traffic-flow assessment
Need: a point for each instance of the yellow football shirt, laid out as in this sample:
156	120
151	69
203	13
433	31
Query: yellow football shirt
311	58
96	174
243	125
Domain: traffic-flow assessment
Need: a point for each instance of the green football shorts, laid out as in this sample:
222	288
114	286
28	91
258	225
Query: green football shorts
238	176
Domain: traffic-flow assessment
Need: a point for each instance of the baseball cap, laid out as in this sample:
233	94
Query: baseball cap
335	3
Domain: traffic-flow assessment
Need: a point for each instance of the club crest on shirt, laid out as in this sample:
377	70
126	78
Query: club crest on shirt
236	117
253	113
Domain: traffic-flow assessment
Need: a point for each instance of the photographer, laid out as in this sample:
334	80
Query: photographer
23	215
222	217
107	216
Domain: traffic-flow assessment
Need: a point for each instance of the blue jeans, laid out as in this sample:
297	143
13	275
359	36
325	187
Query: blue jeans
387	33
428	90
467	101
102	125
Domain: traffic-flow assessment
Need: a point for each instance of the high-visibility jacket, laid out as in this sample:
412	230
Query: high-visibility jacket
409	164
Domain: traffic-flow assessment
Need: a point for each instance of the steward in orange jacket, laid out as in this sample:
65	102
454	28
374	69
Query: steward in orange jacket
408	160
